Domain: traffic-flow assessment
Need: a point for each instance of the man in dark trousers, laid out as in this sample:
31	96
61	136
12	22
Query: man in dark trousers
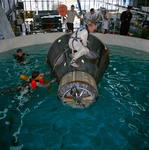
70	18
125	21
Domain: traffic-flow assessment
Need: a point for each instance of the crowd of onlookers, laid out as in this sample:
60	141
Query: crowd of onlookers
110	23
101	16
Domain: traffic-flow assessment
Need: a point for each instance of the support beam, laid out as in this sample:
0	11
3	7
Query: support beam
79	6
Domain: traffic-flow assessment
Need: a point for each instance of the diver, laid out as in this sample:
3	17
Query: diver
78	43
32	82
19	57
37	80
17	89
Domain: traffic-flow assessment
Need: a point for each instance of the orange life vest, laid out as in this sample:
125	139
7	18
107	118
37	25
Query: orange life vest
33	82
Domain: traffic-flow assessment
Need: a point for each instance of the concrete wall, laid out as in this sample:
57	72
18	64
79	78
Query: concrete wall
109	39
125	41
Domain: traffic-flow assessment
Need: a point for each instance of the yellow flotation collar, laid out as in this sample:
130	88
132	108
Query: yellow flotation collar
24	77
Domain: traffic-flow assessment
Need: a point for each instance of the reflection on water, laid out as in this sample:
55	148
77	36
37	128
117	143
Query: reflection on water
118	120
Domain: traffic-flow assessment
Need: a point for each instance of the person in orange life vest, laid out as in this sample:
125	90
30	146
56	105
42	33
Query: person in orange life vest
37	80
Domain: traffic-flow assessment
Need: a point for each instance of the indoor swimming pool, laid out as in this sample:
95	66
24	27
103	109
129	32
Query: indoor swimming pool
119	120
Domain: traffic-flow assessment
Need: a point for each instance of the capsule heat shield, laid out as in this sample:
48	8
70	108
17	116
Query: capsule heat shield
77	89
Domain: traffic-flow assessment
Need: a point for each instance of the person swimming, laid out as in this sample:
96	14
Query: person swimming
38	81
19	57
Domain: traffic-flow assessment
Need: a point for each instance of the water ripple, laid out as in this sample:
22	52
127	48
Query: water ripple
140	107
137	105
134	111
122	120
133	127
125	94
123	87
3	113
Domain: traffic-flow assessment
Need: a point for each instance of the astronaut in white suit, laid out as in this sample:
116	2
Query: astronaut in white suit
78	42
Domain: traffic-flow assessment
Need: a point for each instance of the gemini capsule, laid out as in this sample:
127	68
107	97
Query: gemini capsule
78	86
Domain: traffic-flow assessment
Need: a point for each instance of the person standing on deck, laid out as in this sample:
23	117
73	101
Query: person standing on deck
125	21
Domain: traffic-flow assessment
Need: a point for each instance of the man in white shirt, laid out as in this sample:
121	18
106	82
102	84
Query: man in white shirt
70	18
91	17
78	42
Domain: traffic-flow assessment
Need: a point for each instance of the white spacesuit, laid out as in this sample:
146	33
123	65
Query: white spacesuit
78	42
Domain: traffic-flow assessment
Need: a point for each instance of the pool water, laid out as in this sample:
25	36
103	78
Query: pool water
119	120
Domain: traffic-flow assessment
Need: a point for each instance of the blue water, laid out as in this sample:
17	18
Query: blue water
119	120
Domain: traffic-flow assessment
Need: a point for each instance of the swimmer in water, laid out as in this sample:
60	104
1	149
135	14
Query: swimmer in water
19	57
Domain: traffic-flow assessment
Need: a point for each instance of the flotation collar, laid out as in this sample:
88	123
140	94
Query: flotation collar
24	77
33	82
